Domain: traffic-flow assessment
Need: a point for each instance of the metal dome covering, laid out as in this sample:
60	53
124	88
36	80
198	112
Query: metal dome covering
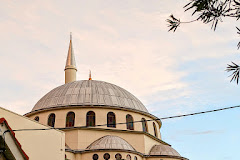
165	150
89	92
110	142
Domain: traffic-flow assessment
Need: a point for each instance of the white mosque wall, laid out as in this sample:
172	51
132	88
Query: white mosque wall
101	118
148	143
85	137
38	144
88	156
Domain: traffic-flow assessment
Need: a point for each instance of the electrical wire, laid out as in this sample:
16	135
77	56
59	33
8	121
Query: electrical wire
100	125
196	113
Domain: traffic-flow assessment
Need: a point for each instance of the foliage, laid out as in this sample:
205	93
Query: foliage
212	11
235	69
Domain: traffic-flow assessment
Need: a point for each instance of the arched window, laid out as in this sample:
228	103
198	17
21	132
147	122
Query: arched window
128	157
70	119
111	120
95	157
106	156
90	119
144	125
118	156
155	129
135	158
129	122
36	118
51	119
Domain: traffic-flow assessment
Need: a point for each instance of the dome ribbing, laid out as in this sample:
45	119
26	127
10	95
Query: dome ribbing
89	92
110	142
165	150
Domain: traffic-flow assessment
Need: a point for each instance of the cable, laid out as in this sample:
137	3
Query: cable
164	118
191	114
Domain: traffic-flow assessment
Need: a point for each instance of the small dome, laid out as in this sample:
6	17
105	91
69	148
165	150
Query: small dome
110	142
89	92
164	150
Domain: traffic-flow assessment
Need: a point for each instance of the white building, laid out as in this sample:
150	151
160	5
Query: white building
35	144
101	121
89	112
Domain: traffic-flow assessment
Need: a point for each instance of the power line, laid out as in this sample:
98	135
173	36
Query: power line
164	118
100	125
196	113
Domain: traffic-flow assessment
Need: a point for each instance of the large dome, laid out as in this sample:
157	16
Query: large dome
89	92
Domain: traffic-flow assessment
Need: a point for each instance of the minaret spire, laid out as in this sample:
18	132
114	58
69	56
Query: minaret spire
70	68
90	75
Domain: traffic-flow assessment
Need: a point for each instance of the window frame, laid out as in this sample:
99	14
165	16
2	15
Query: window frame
90	118
144	125
129	122
67	120
111	120
37	118
51	120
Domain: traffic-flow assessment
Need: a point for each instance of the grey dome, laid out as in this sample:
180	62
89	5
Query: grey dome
89	92
110	142
164	150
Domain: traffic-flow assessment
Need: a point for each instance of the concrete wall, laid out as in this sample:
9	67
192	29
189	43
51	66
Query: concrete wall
148	143
86	137
38	145
88	156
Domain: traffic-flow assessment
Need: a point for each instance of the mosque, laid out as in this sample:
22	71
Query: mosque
101	121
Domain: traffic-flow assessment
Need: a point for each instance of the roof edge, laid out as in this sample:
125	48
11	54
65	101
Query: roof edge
3	120
23	116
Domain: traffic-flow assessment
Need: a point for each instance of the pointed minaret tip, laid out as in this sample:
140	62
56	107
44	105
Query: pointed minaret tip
70	68
90	75
70	63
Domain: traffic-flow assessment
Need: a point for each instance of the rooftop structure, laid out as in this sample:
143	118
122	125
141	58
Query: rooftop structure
98	119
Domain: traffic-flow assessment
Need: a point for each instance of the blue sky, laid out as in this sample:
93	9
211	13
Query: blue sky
127	43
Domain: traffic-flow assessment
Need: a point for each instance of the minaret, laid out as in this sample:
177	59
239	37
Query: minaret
70	68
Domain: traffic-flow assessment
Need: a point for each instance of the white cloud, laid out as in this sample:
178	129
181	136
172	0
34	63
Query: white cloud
122	43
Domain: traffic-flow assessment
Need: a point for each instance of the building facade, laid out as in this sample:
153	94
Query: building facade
33	141
101	121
